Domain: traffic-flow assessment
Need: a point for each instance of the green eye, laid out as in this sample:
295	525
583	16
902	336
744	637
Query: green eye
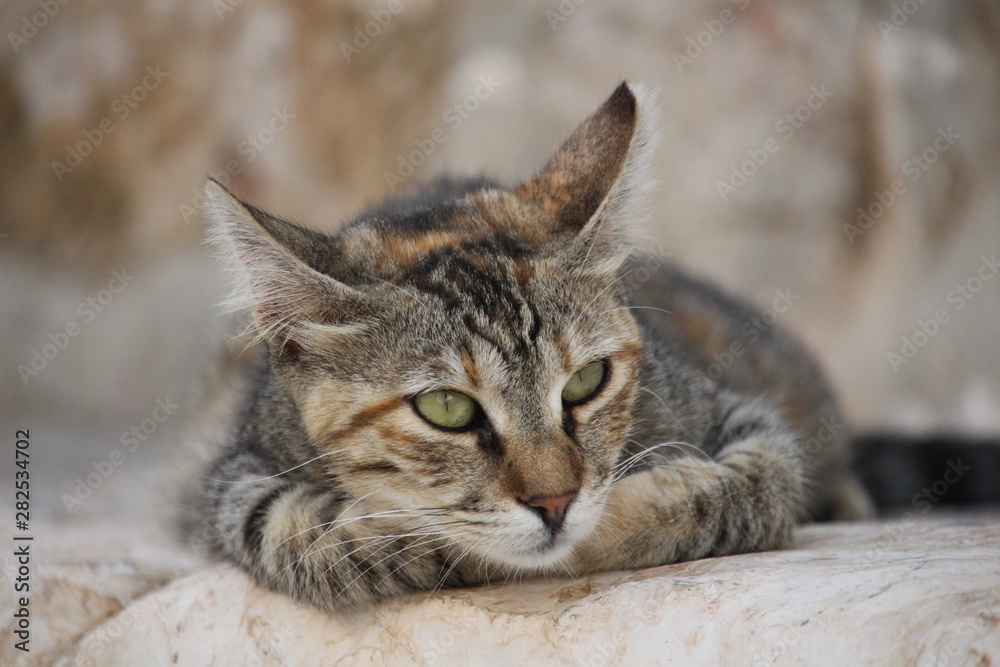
448	409
584	382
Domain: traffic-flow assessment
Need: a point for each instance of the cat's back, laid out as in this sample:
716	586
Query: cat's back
736	345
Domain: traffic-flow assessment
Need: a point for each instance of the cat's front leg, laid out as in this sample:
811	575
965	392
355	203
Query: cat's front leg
747	499
316	544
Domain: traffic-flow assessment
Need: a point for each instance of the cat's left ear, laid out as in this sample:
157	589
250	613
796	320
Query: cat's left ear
273	267
593	185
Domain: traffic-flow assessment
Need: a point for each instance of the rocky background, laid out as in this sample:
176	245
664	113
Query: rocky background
843	153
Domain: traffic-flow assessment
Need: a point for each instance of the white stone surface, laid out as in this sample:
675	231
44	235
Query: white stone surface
81	575
926	593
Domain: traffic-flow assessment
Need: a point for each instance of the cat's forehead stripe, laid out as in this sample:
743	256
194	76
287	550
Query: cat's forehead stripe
482	224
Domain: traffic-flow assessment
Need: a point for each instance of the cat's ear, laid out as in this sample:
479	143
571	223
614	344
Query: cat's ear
268	262
594	183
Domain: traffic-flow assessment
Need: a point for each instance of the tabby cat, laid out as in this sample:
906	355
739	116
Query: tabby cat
461	386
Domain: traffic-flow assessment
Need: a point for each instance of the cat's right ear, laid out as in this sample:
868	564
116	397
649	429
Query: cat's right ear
267	261
592	187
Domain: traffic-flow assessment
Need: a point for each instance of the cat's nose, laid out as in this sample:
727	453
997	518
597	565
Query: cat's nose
552	509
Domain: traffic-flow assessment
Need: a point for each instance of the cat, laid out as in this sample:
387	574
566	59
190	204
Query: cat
460	387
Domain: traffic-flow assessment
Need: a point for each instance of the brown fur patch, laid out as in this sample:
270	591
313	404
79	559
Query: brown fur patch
550	470
364	418
421	456
469	364
408	250
375	466
564	351
631	351
523	273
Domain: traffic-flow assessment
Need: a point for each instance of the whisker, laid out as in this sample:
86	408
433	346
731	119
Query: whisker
669	411
388	514
262	479
370	538
611	310
463	555
425	529
583	311
390	555
385	539
620	469
270	552
331	524
424	540
402	565
338	523
401	289
685	463
617	535
389	538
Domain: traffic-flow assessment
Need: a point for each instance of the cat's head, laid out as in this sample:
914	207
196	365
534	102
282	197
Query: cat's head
474	359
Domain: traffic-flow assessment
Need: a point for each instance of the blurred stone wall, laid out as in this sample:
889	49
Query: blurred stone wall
845	151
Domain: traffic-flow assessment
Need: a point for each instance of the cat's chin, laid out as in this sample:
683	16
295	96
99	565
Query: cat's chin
542	558
543	552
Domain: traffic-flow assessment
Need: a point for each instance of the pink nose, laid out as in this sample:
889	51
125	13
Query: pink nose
552	509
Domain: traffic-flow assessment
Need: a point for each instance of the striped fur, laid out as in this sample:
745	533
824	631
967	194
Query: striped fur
334	490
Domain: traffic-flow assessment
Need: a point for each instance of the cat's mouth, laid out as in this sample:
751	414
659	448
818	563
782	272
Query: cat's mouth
555	549
541	547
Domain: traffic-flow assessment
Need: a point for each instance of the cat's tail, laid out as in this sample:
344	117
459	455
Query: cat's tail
917	473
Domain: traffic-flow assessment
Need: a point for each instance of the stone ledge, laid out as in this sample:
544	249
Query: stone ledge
873	593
